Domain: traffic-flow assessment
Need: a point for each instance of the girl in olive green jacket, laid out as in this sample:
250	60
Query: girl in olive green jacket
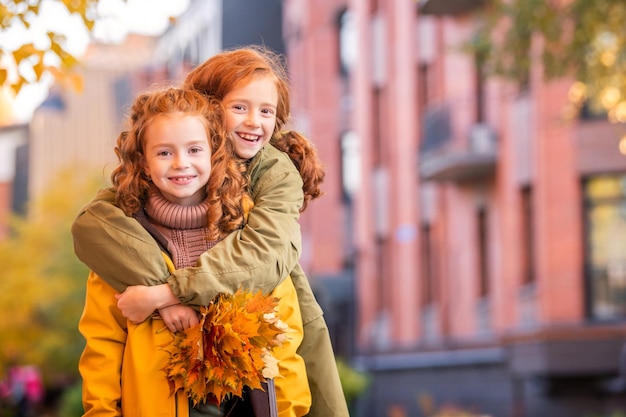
260	256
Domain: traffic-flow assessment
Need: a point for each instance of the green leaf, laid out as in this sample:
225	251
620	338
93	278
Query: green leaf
580	38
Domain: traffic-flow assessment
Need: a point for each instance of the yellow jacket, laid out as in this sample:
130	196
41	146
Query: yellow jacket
122	363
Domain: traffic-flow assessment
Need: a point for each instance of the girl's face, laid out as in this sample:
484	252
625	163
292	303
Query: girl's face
178	157
250	115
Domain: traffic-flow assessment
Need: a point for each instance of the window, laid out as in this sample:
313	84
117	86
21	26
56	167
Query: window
428	266
527	235
483	253
423	82
377	131
382	286
590	112
479	87
605	220
348	42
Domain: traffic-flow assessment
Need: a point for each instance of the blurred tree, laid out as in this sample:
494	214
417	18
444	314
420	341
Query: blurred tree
28	57
580	38
42	285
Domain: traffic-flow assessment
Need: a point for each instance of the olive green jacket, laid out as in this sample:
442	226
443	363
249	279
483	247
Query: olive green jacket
258	257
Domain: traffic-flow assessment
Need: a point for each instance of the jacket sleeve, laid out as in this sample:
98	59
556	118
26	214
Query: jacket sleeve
116	246
263	253
100	365
258	257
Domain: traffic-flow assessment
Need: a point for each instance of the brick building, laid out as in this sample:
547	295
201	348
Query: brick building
479	231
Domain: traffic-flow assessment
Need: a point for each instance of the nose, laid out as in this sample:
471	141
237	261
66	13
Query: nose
252	119
181	161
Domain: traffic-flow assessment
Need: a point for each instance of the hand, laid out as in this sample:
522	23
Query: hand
135	303
179	317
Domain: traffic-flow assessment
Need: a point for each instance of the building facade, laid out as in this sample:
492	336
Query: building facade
478	229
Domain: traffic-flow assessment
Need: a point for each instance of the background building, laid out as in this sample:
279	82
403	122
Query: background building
477	217
469	248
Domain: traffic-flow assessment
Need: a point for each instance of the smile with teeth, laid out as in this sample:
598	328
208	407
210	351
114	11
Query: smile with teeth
182	179
249	137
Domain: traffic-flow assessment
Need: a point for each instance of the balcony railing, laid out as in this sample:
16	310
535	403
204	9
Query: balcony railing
472	162
448	7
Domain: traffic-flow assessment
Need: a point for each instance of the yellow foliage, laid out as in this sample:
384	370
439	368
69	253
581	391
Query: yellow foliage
27	58
42	285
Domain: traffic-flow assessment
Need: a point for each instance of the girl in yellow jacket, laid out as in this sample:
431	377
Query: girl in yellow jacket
178	177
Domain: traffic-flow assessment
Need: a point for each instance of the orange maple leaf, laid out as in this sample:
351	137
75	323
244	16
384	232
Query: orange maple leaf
225	352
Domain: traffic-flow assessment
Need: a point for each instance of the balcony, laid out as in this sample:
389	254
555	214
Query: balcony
474	162
448	7
562	351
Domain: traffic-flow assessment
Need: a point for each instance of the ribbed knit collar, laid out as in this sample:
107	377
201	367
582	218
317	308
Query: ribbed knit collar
174	215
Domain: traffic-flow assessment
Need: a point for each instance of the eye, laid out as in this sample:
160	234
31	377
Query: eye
164	153
196	150
239	107
268	111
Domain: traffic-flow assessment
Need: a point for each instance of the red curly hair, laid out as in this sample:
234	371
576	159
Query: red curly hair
230	69
227	180
304	156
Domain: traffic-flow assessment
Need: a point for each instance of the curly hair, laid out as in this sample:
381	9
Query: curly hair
231	69
227	181
304	156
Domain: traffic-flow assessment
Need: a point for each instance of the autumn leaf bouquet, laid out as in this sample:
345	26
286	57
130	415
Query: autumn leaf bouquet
229	349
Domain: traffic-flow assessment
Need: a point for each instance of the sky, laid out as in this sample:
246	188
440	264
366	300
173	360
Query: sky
148	17
116	18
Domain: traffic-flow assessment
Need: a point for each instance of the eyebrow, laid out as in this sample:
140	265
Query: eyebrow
247	101
170	144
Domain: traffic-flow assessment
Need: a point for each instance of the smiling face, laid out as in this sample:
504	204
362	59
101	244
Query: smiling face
178	157
250	115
